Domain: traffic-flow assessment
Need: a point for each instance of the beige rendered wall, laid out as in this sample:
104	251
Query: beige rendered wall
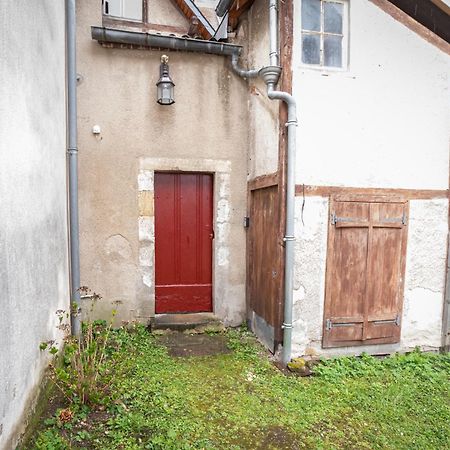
253	32
205	130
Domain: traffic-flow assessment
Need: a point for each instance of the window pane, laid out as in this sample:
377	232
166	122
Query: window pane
332	21
332	49
113	7
311	49
311	15
132	9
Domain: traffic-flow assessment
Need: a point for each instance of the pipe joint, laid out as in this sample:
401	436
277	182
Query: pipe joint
251	73
270	75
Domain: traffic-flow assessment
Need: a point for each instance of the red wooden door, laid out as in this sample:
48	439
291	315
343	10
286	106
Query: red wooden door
183	242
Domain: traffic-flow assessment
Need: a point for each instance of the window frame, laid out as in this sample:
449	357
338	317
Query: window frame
345	38
108	19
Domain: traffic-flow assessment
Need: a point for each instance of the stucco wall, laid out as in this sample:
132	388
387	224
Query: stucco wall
205	130
384	122
424	278
33	228
263	112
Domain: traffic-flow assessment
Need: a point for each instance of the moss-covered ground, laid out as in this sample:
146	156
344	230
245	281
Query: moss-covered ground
239	400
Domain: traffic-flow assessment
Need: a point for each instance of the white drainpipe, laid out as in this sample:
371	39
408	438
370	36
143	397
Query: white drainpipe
271	75
72	151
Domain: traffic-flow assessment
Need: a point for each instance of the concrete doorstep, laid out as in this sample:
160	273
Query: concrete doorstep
198	322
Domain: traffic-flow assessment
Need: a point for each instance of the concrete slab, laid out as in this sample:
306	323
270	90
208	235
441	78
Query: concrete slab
183	321
185	345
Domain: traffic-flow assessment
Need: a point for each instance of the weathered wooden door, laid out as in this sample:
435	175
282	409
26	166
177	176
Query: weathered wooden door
265	276
183	242
365	273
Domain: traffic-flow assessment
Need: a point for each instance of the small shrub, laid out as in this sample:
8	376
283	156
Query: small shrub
80	373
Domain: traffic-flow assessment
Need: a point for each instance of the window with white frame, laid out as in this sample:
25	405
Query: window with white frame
324	33
124	9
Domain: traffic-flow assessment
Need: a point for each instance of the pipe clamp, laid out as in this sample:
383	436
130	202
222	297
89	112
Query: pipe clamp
289	238
287	326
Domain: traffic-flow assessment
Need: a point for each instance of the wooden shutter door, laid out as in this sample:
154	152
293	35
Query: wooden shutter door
366	258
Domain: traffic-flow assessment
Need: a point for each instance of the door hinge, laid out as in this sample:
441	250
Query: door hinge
329	324
335	219
246	222
395	321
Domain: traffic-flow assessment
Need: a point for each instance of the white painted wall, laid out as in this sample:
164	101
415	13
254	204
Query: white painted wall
424	278
33	228
384	122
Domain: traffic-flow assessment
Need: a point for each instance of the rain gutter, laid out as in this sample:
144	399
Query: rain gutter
111	35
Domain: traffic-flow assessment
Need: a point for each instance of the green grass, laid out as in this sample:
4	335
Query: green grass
241	401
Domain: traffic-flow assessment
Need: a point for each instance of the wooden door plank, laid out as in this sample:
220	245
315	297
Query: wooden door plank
264	276
364	306
183	242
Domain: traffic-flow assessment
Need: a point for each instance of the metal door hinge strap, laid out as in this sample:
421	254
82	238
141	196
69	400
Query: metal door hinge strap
395	321
329	324
335	219
289	238
401	220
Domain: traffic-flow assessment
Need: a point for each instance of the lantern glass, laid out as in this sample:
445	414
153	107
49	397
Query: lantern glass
166	93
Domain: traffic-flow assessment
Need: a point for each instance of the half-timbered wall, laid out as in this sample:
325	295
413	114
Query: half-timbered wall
380	126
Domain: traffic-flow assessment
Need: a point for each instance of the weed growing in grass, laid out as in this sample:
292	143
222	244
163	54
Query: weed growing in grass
241	401
81	373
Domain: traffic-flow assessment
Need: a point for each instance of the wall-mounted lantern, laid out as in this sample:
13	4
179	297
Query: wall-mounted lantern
165	85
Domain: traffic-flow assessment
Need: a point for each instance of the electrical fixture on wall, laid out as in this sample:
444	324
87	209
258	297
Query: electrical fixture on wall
165	85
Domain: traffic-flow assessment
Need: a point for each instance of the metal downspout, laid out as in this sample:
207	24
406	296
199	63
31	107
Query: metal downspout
251	73
72	152
271	75
273	33
289	237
